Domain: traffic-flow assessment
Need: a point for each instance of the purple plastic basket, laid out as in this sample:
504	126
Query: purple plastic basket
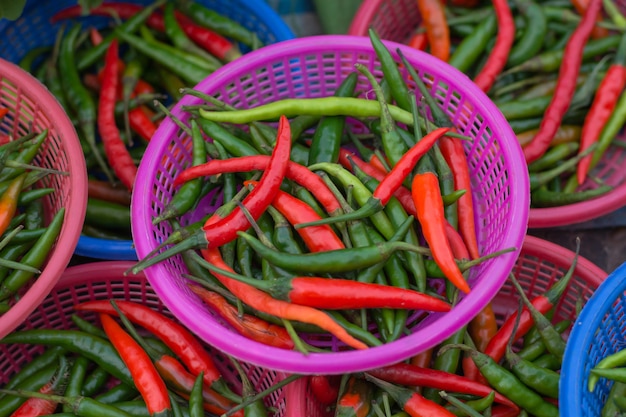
314	67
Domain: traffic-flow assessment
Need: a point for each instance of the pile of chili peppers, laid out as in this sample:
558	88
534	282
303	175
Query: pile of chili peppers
26	237
557	71
504	367
141	363
107	80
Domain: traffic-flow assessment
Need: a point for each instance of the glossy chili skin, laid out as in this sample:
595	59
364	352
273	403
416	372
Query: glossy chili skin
246	324
175	336
566	84
146	377
328	134
506	383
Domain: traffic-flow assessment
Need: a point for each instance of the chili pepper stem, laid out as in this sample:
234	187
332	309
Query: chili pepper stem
288	380
194	241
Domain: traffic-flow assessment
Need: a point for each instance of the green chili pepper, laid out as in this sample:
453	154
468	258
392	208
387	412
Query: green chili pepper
78	97
120	392
180	40
129	26
94	348
76	379
10	403
391	73
195	398
472	46
186	66
553	156
108	215
534	32
610	408
40	361
509	385
219	23
393	144
232	144
550	61
188	194
542	197
548	361
327	138
35	257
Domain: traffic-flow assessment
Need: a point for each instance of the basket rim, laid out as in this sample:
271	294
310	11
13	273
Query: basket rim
335	362
578	212
365	13
583	336
75	209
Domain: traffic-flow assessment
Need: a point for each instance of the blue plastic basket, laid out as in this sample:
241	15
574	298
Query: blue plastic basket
599	331
33	29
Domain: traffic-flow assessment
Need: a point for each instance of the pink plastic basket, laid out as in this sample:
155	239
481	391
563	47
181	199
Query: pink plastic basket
395	20
105	280
314	67
30	103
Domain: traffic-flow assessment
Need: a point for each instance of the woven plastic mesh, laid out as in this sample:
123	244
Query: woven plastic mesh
314	67
31	106
34	29
104	281
396	20
599	331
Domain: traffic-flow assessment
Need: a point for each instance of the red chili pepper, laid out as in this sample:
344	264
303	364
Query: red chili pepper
182	381
263	302
316	238
431	216
8	202
598	31
437	30
245	324
325	388
141	123
55	386
543	303
411	401
175	336
602	107
453	153
296	172
459	250
356	400
218	230
391	182
566	84
225	230
347	158
500	51
212	42
145	376
117	154
415	376
418	41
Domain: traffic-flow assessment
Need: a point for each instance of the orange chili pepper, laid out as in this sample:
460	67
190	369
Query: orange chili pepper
8	202
437	30
430	213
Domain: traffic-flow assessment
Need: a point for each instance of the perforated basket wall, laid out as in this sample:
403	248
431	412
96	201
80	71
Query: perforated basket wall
106	280
34	29
396	20
599	331
314	67
31	106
